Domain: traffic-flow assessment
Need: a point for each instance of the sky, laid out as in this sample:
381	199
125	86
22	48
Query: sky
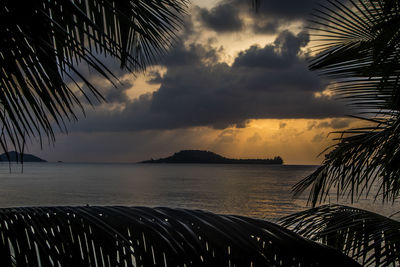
236	83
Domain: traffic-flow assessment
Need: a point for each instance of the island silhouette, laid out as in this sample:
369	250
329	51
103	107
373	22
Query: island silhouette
201	156
14	156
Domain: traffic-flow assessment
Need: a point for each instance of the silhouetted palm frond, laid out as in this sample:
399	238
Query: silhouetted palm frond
370	238
359	49
43	42
122	236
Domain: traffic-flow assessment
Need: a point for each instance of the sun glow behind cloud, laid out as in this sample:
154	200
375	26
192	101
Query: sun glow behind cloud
242	92
297	141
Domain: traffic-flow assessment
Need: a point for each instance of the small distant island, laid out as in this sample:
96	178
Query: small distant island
14	156
200	156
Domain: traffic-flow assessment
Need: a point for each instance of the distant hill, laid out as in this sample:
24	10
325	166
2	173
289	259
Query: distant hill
15	156
200	156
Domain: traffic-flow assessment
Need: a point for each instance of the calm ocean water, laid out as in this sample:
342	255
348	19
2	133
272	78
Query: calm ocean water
261	191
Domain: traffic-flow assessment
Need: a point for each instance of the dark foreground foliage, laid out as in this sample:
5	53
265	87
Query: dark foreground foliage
370	238
359	49
123	236
45	44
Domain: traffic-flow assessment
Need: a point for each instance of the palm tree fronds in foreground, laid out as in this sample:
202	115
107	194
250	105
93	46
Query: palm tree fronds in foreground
359	49
139	236
44	42
370	238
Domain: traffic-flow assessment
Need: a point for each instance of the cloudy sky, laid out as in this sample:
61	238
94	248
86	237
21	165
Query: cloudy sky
236	83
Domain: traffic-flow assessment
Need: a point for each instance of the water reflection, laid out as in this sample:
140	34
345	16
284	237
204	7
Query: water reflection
261	191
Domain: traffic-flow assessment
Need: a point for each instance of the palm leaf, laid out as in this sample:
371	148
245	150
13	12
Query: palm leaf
359	48
122	236
370	238
44	42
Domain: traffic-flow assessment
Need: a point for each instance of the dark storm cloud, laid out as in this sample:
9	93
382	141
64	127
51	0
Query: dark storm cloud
266	26
193	55
197	90
281	54
111	93
228	15
222	18
285	9
273	14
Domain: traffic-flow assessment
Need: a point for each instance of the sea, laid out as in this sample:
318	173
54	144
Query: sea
259	191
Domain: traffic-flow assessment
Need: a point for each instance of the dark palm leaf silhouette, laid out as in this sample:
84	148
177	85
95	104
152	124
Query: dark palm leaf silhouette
43	42
370	238
359	48
122	236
